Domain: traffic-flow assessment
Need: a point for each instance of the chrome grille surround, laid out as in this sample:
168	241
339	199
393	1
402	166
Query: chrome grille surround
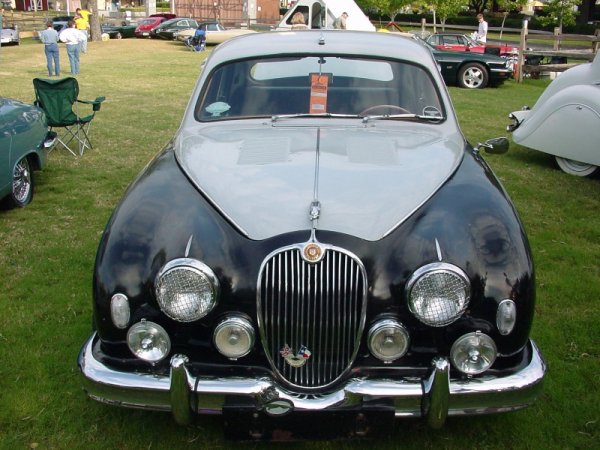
318	305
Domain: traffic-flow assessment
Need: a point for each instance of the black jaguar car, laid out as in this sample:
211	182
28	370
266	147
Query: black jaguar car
318	242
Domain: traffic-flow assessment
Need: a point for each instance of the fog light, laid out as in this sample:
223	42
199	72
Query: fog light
234	337
119	310
506	316
473	353
388	340
148	341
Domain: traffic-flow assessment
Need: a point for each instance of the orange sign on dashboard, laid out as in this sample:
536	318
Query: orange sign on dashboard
318	93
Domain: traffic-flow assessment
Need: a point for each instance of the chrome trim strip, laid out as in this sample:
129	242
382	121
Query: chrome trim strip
468	396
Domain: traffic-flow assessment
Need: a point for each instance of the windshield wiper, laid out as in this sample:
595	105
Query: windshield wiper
430	118
328	115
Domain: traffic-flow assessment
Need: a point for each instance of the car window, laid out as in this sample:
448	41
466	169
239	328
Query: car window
313	84
451	40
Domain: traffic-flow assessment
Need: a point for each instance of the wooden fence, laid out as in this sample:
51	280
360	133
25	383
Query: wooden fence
556	55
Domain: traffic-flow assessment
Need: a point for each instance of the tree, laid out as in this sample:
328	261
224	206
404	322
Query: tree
444	9
95	30
511	5
507	6
479	6
560	12
390	7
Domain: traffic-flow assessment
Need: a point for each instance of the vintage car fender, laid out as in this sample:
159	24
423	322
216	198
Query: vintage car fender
565	120
567	124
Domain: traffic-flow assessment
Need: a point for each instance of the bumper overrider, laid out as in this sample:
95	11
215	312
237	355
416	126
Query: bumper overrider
433	397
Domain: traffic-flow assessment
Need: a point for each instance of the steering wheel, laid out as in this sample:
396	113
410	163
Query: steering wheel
392	109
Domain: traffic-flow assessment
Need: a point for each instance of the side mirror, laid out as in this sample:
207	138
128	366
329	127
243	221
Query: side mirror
496	146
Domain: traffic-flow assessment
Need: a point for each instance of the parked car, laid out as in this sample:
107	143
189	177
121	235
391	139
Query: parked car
565	121
168	28
24	137
463	43
472	70
124	30
10	35
59	23
145	25
318	241
215	32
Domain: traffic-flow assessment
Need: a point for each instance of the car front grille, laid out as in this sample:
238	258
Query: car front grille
311	315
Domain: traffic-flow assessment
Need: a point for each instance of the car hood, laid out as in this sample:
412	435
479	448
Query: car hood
369	179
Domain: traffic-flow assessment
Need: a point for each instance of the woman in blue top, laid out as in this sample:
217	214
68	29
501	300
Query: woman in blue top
49	38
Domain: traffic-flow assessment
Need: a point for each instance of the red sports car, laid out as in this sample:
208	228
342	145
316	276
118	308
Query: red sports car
144	27
462	43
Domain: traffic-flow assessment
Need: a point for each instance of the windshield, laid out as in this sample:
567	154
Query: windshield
317	85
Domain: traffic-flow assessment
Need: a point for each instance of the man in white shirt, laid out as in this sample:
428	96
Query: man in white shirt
482	30
73	38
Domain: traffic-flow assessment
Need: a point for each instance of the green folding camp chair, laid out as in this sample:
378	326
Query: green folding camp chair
58	99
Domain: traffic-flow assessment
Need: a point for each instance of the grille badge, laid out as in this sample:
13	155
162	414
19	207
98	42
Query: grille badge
312	252
297	360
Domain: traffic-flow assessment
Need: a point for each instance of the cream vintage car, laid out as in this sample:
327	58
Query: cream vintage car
317	243
565	121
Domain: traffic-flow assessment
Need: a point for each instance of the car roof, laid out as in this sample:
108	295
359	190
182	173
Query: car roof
272	43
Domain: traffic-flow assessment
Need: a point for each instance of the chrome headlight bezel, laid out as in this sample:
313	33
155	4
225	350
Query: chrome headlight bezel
473	353
148	341
424	310
246	336
204	285
394	330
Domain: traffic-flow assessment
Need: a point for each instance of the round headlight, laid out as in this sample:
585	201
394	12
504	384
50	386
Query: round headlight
234	337
438	294
388	340
186	289
473	353
119	310
148	341
506	316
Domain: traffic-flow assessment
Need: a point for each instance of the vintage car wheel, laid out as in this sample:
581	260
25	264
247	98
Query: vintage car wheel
22	184
473	76
392	109
576	168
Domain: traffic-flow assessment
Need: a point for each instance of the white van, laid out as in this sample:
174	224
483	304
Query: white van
316	18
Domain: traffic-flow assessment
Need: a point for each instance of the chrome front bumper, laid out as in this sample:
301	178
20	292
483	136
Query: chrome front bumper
433	398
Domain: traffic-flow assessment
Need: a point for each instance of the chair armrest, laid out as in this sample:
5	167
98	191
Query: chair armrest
95	103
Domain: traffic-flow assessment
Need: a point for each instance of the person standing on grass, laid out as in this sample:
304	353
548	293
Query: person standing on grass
49	37
82	23
482	29
73	38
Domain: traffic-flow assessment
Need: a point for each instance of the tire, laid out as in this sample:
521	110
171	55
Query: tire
576	168
473	76
22	184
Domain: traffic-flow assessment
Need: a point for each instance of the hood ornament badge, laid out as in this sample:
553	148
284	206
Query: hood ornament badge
312	252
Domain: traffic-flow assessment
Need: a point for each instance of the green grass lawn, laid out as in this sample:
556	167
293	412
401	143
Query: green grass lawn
48	251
